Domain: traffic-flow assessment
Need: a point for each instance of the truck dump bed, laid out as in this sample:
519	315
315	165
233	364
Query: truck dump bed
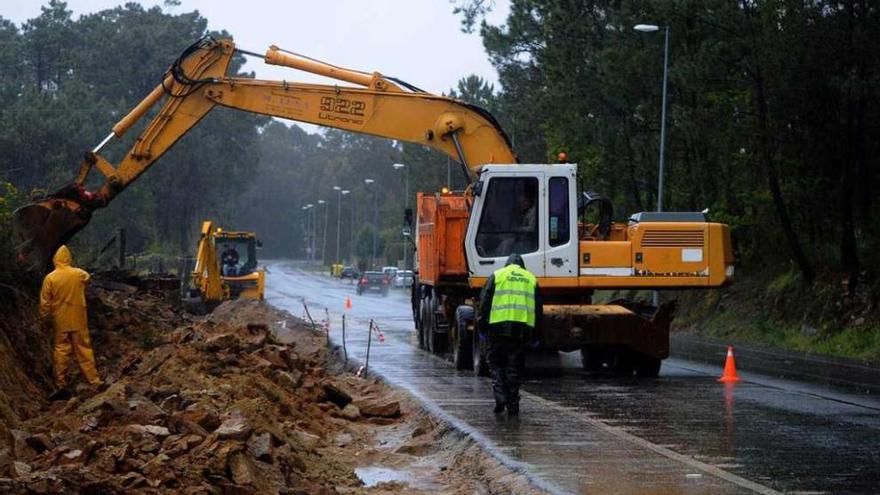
442	223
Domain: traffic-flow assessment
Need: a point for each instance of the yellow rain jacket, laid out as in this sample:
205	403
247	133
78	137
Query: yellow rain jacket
63	297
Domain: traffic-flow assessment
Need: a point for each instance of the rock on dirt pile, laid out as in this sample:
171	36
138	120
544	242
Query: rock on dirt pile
213	407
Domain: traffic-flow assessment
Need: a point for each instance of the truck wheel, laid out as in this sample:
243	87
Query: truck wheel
624	362
462	354
436	340
423	321
481	365
647	366
591	359
428	332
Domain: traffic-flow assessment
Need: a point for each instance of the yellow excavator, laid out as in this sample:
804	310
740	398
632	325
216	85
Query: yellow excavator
461	236
225	268
196	82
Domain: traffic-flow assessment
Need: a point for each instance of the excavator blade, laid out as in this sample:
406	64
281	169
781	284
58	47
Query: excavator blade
42	227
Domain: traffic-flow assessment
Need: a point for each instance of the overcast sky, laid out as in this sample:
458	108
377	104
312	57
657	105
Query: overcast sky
418	41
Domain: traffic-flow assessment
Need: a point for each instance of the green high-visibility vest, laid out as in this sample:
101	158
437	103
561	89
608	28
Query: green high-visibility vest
514	299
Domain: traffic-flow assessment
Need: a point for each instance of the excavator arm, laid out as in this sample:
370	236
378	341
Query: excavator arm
197	82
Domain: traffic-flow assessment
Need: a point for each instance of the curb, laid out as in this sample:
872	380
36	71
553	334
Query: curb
851	374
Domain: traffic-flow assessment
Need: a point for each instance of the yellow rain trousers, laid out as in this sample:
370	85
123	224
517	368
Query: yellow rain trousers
63	298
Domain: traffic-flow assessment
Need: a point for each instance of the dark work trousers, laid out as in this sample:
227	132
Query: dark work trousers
507	359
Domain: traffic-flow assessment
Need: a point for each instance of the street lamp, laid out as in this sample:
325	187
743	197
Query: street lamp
311	214
398	166
339	194
324	237
369	182
651	28
306	230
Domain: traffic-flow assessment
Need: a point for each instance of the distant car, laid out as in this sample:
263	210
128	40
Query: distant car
349	272
390	271
374	282
403	279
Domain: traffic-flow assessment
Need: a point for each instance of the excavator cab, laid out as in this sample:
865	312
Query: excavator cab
237	252
527	210
533	210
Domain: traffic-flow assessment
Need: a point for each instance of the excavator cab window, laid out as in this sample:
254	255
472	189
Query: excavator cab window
237	256
557	225
509	221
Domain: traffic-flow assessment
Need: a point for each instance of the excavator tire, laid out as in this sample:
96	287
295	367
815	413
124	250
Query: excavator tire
647	366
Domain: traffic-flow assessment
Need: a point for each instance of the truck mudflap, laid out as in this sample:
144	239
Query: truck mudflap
640	327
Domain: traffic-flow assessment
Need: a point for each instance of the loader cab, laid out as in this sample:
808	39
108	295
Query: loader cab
237	252
527	210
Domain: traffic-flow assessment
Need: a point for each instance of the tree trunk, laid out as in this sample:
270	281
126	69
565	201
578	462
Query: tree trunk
849	256
766	158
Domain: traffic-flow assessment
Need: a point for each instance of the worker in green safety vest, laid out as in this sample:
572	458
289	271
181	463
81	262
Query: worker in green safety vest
510	309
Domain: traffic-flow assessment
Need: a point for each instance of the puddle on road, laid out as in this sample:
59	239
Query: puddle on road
373	475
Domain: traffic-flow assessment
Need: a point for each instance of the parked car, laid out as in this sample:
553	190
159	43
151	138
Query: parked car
374	282
403	279
349	272
390	271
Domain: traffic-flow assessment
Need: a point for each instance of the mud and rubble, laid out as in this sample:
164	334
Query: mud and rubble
245	400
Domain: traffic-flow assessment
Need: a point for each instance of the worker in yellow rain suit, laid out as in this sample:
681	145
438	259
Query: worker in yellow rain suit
63	299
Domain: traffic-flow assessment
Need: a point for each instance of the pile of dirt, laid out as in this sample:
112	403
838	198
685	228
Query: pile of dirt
240	401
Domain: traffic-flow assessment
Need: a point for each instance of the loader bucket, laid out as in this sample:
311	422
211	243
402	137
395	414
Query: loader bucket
42	227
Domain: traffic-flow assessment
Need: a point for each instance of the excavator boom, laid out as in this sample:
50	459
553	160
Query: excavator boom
197	82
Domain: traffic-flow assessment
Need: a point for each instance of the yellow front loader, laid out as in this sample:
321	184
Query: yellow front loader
226	267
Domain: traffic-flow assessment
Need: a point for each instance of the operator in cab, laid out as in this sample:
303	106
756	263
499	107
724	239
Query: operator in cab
63	305
229	260
510	309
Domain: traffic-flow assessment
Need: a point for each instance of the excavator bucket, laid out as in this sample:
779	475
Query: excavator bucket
41	227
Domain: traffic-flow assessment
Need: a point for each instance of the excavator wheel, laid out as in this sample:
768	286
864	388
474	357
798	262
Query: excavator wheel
647	366
598	359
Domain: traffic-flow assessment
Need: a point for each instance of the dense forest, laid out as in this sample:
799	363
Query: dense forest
773	114
772	124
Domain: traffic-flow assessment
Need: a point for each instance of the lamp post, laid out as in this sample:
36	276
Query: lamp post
369	182
651	28
324	236
311	219
339	194
398	166
351	231
306	231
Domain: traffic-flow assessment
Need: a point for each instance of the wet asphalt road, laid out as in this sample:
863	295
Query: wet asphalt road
680	433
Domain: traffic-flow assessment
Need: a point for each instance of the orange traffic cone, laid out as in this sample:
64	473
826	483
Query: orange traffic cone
729	374
347	303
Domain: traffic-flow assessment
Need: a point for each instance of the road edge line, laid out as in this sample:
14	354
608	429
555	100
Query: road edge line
647	444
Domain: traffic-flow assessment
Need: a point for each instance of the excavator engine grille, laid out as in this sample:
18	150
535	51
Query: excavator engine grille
673	238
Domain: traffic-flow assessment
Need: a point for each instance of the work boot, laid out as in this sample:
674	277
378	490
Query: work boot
499	408
60	394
